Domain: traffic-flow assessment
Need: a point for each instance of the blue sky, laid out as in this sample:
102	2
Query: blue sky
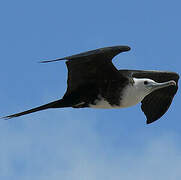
85	144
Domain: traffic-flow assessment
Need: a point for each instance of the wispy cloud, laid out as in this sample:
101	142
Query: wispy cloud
72	148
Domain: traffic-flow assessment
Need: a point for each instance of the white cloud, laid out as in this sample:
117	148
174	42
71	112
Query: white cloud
71	148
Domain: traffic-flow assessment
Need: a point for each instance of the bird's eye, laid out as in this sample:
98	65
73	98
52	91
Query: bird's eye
145	82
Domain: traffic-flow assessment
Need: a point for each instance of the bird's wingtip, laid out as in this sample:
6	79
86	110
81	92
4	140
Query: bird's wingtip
5	118
127	48
53	60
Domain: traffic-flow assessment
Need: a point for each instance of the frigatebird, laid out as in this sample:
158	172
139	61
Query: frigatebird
93	81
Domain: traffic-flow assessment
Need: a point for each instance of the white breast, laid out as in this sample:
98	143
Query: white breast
131	95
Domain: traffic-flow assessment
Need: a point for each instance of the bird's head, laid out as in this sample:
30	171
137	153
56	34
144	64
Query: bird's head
146	86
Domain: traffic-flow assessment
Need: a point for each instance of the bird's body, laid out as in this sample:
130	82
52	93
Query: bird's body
130	95
93	81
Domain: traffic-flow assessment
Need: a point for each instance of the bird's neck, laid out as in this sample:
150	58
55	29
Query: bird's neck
132	94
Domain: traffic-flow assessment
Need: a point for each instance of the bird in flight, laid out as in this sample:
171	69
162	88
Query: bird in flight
94	82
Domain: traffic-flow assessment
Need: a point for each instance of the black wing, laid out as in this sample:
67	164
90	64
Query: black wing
156	103
92	67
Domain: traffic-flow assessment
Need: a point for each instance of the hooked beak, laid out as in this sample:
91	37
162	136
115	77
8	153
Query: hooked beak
156	85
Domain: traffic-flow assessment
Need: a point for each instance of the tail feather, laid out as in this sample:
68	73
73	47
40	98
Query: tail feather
55	104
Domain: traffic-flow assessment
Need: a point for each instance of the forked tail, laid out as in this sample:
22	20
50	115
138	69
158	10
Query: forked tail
55	104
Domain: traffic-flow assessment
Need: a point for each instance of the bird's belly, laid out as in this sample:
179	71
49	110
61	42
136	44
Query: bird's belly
127	102
102	104
129	97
